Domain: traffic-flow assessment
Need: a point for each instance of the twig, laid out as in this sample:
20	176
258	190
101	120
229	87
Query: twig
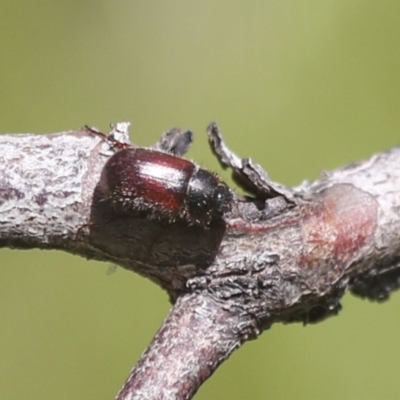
285	255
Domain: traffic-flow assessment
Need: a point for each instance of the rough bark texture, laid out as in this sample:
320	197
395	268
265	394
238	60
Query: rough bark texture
285	255
195	338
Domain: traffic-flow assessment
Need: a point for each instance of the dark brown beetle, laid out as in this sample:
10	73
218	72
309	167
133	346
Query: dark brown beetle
165	186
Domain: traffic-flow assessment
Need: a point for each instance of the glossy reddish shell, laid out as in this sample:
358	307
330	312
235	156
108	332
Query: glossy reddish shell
146	178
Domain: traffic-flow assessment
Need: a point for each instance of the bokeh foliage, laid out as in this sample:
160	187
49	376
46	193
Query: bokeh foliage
298	86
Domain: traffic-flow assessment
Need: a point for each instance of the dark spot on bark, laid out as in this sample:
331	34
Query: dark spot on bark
8	193
41	198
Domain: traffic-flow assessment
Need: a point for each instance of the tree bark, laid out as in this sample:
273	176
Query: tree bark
283	255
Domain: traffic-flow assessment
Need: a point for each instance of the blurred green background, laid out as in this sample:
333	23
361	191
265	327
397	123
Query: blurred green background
299	86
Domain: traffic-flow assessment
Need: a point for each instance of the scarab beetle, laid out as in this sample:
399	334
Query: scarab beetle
165	186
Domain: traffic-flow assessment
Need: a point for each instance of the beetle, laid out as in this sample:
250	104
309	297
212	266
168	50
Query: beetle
163	186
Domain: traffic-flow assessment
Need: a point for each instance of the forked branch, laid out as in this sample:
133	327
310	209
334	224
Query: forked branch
277	255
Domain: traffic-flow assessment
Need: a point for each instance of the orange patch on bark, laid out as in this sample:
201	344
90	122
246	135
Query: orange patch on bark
336	229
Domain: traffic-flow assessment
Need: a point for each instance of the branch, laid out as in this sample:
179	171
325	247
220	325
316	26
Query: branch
280	255
195	338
